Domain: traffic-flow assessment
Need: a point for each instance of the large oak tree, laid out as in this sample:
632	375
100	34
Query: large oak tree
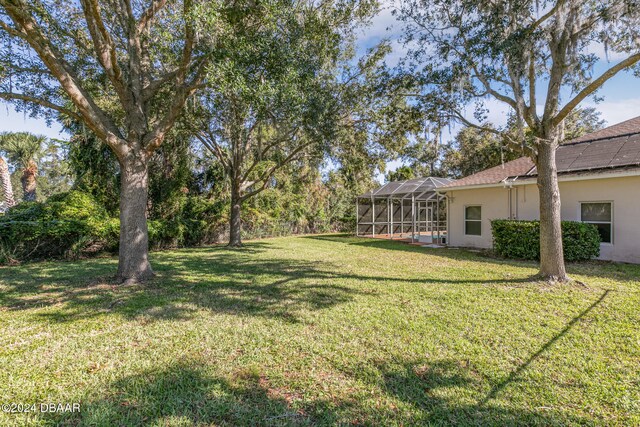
268	105
292	87
122	68
534	57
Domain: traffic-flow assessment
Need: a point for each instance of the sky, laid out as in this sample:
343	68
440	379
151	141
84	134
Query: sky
621	94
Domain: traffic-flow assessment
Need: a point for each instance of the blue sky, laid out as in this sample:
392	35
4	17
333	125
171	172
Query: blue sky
621	94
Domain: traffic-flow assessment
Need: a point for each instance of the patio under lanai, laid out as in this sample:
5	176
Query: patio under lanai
409	210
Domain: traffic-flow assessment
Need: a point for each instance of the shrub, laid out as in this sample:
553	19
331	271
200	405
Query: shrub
516	239
204	220
581	241
521	239
201	221
66	225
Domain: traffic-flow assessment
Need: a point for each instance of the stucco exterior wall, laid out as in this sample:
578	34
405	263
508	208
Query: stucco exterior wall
623	192
494	203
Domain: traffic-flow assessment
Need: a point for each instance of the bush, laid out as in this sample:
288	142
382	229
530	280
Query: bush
201	221
581	241
204	220
521	239
66	225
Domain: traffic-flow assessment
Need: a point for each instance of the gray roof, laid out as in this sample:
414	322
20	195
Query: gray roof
627	127
607	153
420	187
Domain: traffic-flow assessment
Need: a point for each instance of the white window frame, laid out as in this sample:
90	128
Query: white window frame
464	214
599	222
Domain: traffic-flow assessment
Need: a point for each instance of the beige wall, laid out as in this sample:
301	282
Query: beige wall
495	204
623	192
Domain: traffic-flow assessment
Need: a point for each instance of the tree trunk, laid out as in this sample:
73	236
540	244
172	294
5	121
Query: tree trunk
552	266
28	180
133	261
5	183
235	226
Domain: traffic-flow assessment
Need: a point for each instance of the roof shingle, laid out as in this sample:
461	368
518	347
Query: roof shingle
496	174
623	128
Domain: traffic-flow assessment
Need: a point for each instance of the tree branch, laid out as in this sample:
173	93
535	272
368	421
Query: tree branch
532	86
266	149
210	144
12	31
183	89
154	138
152	87
16	96
511	142
491	91
546	16
149	14
593	86
92	115
267	175
105	49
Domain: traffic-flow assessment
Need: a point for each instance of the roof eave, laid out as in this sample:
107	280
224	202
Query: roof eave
471	187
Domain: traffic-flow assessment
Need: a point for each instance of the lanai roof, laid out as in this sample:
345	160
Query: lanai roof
422	188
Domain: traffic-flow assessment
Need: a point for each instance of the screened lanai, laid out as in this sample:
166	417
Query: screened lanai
412	209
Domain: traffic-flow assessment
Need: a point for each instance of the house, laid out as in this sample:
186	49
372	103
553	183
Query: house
599	180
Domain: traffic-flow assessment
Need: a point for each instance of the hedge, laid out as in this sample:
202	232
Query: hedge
74	224
521	239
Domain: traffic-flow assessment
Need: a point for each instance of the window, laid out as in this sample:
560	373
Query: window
600	215
473	220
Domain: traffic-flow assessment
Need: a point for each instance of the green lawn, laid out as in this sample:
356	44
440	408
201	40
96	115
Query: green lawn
321	330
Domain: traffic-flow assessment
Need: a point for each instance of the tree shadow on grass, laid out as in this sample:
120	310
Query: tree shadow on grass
185	394
441	392
444	391
430	385
246	282
544	348
223	280
396	245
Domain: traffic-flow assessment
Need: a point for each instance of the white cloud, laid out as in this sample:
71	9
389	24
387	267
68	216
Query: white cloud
605	54
617	110
613	109
384	24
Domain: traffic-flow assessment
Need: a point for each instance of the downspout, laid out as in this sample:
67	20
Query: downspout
508	184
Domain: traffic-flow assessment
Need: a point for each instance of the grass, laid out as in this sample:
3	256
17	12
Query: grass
321	330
